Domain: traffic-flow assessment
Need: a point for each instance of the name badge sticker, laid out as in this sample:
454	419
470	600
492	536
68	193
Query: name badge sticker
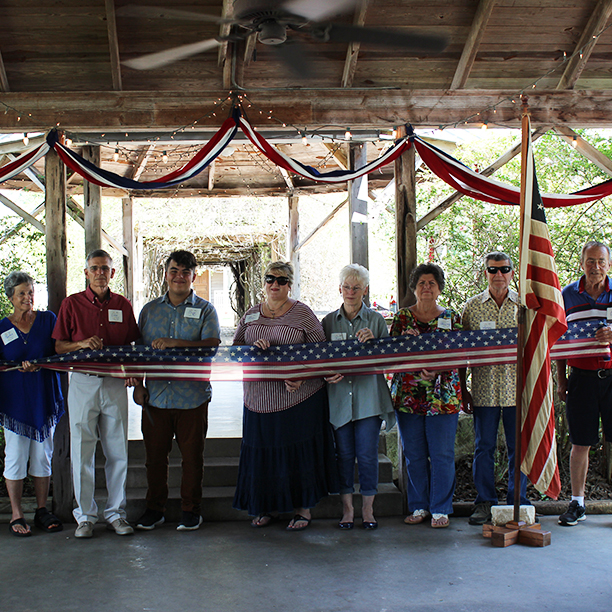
338	336
115	316
193	313
8	336
487	325
609	314
445	324
251	317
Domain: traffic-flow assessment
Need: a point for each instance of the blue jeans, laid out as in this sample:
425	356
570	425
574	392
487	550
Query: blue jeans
486	425
358	439
429	448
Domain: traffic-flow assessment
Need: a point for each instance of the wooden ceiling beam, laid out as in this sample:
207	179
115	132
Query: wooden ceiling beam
338	154
603	162
164	111
472	44
141	162
113	43
224	30
4	84
586	43
211	175
352	52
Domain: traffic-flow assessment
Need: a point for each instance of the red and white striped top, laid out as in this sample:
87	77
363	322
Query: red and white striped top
298	325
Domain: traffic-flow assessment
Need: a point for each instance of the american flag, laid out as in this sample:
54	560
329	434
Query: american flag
436	351
544	324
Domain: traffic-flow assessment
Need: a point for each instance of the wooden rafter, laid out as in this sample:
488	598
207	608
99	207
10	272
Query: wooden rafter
141	162
224	30
321	225
4	84
211	175
603	162
338	154
586	43
352	52
496	165
286	176
22	213
470	49
113	43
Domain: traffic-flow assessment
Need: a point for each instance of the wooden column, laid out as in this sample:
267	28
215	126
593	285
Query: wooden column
92	203
405	222
293	240
358	207
55	218
128	243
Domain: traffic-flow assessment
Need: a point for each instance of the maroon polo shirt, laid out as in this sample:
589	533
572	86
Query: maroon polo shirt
82	316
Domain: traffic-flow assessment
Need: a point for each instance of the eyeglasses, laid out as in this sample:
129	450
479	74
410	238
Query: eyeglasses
281	280
496	269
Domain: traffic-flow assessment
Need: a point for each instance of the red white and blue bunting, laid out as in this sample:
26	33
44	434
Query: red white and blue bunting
446	167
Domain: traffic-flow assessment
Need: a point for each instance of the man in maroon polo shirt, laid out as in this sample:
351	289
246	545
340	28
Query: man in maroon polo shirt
93	319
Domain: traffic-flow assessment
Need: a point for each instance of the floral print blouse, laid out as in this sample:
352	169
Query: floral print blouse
442	395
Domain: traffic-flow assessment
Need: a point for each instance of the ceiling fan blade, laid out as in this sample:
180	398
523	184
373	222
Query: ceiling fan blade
296	58
162	58
319	10
413	41
134	10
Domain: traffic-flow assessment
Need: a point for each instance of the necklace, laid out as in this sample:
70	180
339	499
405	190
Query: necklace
277	309
23	336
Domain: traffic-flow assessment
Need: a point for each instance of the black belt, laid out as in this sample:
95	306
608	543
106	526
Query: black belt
603	373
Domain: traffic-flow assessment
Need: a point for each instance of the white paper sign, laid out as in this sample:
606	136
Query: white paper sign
487	325
338	336
445	324
193	313
251	317
8	336
115	316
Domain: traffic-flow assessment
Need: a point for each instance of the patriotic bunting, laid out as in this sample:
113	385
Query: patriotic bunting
437	351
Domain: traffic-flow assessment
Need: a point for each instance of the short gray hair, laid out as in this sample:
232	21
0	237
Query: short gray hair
98	253
14	279
591	244
355	271
497	256
284	267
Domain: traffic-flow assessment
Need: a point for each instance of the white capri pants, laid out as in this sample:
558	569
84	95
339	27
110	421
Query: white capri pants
20	449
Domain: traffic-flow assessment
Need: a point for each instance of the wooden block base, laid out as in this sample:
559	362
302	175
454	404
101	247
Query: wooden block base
530	536
503	536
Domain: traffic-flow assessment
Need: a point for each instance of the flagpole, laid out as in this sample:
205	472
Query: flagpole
520	341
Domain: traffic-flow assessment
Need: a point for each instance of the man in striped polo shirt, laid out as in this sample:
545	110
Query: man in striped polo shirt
588	391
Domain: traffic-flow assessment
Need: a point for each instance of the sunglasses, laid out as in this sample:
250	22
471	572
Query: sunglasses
496	269
281	280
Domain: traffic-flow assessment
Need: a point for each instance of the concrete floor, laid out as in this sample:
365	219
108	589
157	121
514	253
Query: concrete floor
232	567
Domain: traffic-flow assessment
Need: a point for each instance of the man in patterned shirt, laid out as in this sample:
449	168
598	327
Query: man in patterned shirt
493	394
176	409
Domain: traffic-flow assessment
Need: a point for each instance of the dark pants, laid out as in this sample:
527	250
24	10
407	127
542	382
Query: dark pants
189	428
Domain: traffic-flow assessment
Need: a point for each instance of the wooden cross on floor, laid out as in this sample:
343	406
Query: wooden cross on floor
517	532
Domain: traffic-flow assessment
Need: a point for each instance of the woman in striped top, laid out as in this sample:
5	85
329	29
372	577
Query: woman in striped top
287	461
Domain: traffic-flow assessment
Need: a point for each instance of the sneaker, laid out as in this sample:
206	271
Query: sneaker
150	520
120	526
481	514
190	521
574	513
84	530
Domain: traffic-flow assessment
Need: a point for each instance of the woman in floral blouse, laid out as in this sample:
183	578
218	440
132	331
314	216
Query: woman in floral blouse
427	405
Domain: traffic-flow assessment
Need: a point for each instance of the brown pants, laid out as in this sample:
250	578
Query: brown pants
189	428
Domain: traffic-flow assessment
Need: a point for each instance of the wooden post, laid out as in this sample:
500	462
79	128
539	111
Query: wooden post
55	218
293	240
128	242
92	203
405	222
358	209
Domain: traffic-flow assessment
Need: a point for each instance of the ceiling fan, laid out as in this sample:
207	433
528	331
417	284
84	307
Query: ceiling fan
271	20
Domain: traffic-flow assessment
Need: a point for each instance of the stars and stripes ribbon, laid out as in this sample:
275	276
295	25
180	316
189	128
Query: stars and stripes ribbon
23	162
437	351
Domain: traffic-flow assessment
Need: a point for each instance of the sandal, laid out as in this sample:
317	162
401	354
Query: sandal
439	521
296	519
418	516
263	520
20	534
47	521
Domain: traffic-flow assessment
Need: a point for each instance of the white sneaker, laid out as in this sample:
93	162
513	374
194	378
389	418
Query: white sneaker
84	530
121	527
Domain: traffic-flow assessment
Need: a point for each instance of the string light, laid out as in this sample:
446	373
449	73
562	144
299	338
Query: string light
116	155
26	140
484	126
304	139
574	142
347	134
68	142
165	157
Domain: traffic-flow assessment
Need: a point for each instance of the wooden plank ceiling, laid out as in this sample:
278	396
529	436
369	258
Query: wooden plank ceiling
61	64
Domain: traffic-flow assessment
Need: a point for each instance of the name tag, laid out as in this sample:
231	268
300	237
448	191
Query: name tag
8	336
338	336
115	316
487	325
609	314
445	324
251	317
193	313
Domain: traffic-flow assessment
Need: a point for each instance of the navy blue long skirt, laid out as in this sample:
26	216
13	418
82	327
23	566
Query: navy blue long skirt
287	458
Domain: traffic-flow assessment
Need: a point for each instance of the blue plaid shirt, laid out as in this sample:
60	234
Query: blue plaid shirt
161	319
